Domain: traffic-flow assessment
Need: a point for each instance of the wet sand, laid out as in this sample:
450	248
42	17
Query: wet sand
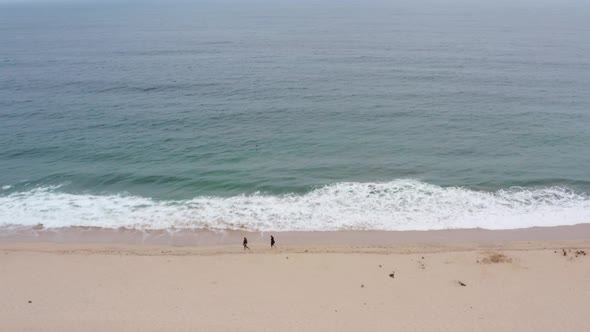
202	237
460	280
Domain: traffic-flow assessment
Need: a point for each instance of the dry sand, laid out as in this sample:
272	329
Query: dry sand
509	286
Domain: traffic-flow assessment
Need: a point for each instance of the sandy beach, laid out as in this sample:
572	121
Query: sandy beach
496	283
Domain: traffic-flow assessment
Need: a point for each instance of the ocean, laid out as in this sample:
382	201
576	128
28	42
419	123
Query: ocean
294	115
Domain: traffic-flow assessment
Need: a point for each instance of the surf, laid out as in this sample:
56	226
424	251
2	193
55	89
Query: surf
394	205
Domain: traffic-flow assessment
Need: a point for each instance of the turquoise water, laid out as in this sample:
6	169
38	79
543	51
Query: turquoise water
295	114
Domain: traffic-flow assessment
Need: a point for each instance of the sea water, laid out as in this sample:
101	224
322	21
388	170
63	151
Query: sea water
294	115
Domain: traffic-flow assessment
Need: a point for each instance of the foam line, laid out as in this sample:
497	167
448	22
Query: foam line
395	205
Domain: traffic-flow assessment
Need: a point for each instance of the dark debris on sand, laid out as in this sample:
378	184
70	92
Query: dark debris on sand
576	253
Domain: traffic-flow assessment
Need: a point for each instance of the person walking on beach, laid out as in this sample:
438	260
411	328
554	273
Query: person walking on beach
272	241
245	243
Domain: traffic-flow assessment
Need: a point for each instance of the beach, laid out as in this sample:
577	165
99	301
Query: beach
459	280
422	165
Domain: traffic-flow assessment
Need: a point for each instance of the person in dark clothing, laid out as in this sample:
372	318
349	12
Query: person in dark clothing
272	241
245	243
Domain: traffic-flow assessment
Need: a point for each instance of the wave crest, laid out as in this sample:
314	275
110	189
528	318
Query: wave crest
395	205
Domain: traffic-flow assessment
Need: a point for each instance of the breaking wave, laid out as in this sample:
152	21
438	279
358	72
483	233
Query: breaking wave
395	205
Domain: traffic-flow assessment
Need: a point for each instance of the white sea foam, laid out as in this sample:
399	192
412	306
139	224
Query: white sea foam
6	187
396	205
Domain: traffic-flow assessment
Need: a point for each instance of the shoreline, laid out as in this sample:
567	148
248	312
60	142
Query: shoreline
209	238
